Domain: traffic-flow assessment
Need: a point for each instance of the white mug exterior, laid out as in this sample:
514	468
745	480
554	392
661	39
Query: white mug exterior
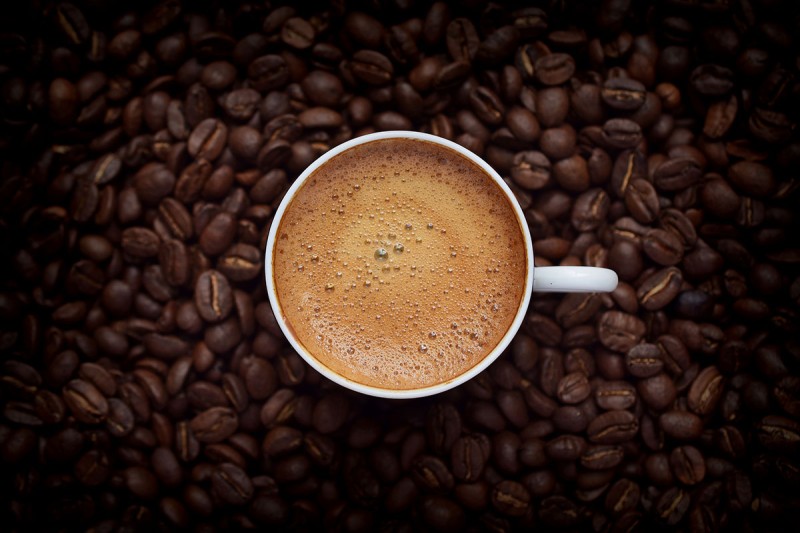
552	279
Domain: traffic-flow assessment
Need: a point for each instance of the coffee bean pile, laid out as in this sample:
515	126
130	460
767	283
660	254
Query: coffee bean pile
146	386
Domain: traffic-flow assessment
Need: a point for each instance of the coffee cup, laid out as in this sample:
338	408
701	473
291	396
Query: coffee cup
400	265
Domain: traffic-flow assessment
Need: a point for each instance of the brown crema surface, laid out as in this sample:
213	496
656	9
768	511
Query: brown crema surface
399	264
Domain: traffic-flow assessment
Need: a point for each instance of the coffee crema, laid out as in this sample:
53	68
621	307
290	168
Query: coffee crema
399	264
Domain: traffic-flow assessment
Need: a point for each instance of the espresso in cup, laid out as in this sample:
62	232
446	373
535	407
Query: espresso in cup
399	264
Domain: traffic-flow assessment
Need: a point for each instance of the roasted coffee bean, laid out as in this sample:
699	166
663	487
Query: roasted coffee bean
539	402
619	331
602	457
93	468
659	289
510	498
173	220
241	262
662	246
120	419
186	444
372	67
202	395
711	80
213	296
153	182
613	427
622	496
231	484
174	262
621	133
487	105
235	392
141	482
21	413
688	465
573	388
268	72
279	407
576	309
565	447
431	474
442	514
572	173
282	439
140	242
644	360
672	506
570	418
624	94
676	174
166	467
641	200
298	33
192	180
778	434
752	178
505	446
214	425
218	234
49	407
208	139
559	142
615	395
291	371
682	425
467	459
523	124
628	166
443	427
531	170
473	496
554	69
590	209
705	391
462	39
512	405
98	376
330	413
85	402
675	221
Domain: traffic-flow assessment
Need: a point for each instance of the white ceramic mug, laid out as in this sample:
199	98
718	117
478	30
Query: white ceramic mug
541	279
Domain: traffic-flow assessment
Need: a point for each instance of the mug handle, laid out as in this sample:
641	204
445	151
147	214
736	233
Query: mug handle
573	279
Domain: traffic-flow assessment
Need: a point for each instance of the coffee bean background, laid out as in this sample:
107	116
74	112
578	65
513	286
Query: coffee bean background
146	386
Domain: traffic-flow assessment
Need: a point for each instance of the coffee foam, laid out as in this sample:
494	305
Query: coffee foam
399	264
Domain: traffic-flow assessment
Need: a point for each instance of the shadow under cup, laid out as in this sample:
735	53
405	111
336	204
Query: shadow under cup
308	293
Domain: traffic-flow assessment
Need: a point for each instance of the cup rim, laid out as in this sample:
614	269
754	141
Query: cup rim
378	391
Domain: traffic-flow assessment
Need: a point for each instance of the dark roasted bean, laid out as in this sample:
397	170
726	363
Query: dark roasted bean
510	498
682	425
85	402
231	484
615	395
214	425
624	94
688	465
467	459
613	427
554	69
705	391
213	296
